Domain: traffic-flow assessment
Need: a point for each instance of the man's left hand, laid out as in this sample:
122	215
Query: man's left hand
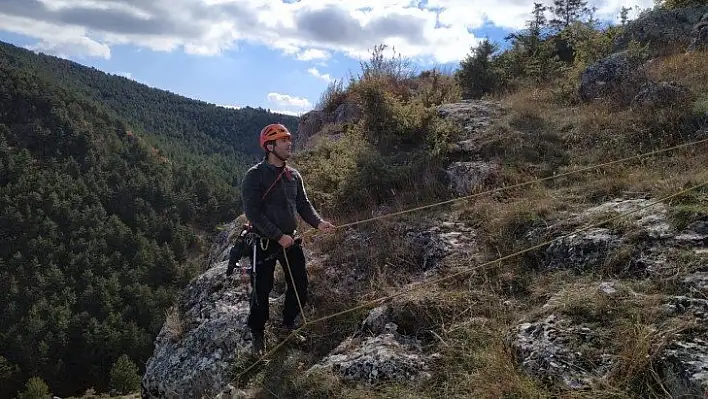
325	226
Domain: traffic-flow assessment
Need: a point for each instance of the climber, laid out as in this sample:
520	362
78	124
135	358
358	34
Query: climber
272	193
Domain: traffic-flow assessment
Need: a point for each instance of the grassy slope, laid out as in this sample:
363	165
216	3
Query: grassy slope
471	316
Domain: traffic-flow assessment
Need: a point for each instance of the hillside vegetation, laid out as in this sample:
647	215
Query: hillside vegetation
392	156
108	190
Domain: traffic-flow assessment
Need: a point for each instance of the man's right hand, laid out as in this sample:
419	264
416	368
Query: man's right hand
286	241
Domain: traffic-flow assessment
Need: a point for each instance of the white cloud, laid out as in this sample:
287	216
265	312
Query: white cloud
324	76
287	112
126	74
312	54
288	101
306	29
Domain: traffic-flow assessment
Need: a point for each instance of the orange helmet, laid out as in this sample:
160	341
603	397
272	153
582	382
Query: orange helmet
273	132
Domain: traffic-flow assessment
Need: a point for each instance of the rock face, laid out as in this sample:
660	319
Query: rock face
687	356
662	28
214	335
465	177
583	251
433	244
309	124
473	117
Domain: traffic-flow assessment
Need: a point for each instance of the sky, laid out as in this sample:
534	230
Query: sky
275	54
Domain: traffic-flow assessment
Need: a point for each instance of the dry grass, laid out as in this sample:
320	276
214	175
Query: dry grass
688	69
173	323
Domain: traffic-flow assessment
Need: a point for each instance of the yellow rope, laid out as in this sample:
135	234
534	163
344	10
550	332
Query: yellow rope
292	279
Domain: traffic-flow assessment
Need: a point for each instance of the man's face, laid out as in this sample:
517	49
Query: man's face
283	147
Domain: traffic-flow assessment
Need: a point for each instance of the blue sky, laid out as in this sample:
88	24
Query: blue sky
274	54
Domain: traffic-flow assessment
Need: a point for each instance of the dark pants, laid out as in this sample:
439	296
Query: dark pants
265	270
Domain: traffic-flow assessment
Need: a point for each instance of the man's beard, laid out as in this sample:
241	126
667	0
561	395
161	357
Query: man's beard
284	154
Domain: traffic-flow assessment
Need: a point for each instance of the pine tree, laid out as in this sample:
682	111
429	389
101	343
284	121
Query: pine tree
568	11
124	375
35	388
476	75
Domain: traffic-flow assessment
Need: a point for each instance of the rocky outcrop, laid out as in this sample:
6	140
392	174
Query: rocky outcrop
686	357
583	251
473	117
465	177
213	313
661	28
379	353
617	77
313	122
661	95
310	123
571	348
699	35
548	350
433	244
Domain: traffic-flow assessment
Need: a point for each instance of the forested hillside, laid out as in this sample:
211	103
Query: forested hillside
216	140
107	188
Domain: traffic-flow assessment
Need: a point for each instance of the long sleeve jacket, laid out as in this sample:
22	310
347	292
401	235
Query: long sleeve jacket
276	214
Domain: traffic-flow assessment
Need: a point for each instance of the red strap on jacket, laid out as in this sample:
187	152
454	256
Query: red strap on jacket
286	171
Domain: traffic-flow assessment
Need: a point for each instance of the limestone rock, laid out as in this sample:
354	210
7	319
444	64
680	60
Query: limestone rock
585	250
699	35
473	117
465	177
388	356
214	334
548	349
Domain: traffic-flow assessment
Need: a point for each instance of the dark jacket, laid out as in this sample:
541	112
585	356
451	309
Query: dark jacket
276	214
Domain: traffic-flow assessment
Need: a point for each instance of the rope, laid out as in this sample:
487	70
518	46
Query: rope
292	280
458	274
509	187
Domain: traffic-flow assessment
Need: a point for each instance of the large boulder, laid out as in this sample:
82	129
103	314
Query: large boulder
617	77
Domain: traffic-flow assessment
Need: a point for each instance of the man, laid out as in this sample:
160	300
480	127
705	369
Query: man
273	194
